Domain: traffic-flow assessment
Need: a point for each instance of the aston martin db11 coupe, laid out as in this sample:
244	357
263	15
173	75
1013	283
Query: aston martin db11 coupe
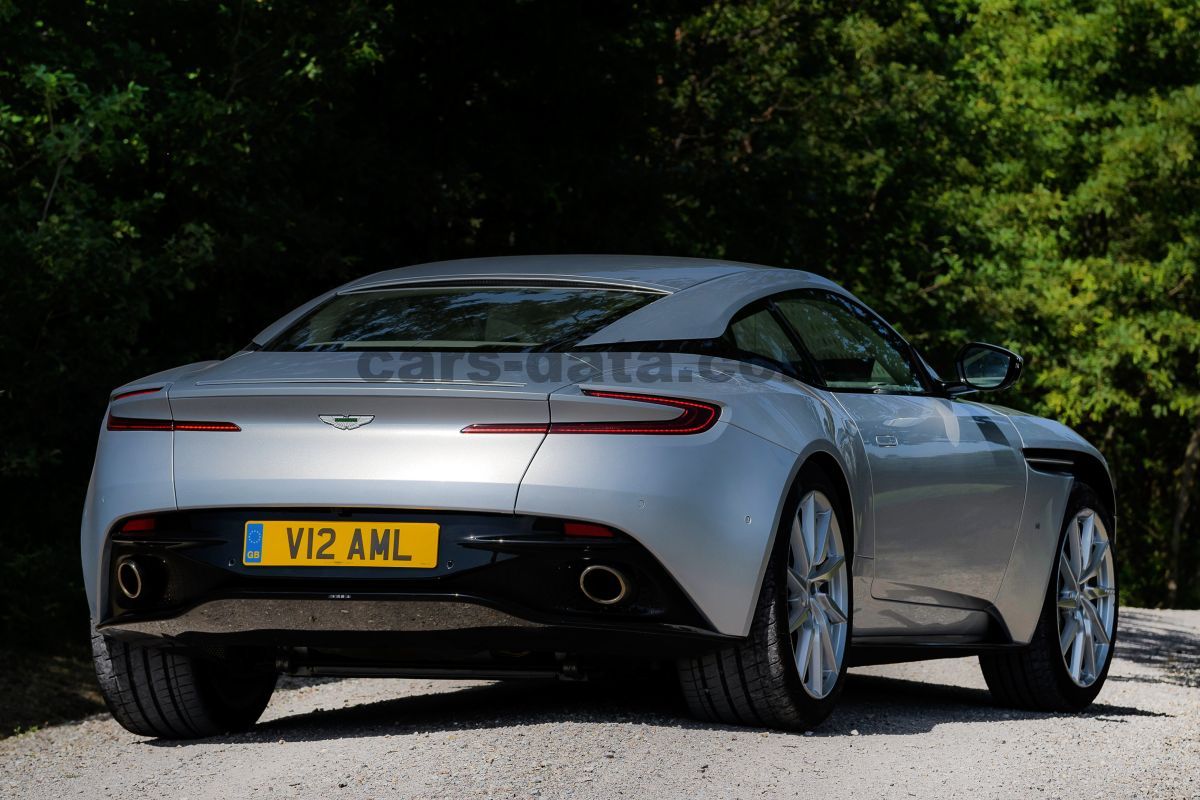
567	465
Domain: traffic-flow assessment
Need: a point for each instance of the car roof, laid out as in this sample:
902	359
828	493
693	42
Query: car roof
700	295
663	273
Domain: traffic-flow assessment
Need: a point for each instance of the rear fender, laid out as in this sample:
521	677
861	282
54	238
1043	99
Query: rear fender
706	505
131	475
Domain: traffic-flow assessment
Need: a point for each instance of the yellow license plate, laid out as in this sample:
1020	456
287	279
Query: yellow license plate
291	543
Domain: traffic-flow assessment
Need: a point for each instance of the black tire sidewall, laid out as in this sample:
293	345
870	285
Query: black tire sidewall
1076	696
235	693
809	708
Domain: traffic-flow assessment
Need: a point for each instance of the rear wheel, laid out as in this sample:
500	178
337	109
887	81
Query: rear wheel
154	691
789	672
1067	661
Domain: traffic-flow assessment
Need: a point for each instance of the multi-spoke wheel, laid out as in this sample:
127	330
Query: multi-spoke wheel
1067	660
817	586
1087	597
789	671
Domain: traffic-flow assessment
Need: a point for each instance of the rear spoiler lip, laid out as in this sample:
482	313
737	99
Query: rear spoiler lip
565	281
357	381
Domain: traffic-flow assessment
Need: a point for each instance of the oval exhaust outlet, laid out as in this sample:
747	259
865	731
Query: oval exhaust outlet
603	584
130	579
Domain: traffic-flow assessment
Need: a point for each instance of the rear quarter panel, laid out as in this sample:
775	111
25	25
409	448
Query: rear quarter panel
131	474
706	505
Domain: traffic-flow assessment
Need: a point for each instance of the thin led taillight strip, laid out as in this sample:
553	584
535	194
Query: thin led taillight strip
206	426
694	417
134	424
507	427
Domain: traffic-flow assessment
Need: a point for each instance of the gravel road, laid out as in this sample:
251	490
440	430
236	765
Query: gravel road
913	730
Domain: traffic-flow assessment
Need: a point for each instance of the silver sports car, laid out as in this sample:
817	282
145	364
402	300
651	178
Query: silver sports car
565	465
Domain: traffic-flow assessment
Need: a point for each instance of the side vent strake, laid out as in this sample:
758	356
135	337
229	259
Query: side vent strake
1049	460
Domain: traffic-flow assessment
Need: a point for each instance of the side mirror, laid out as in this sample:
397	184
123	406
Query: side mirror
986	367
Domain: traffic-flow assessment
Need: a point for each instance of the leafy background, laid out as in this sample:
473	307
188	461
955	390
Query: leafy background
174	175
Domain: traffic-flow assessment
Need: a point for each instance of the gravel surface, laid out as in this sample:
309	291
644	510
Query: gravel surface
911	730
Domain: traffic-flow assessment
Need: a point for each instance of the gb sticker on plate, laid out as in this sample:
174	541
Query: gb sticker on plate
254	543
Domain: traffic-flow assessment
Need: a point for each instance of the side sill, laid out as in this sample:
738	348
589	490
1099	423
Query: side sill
863	654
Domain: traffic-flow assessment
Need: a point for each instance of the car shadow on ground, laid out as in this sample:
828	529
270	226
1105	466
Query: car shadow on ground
877	705
870	705
1153	641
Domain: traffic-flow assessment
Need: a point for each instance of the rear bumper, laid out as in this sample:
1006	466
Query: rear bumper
503	582
706	506
266	617
393	635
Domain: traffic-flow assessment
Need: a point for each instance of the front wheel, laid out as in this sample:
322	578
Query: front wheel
1065	664
789	671
155	691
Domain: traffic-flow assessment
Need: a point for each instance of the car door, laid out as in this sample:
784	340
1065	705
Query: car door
948	478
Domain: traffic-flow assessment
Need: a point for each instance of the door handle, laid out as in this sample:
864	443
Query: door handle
887	441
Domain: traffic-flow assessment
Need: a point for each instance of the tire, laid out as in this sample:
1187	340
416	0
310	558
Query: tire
756	682
1037	677
155	691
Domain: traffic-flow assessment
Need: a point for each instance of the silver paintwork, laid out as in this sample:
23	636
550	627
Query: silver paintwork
952	531
817	594
946	451
1034	553
716	545
1087	597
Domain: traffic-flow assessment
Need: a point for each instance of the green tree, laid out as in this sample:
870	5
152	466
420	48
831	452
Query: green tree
1016	171
174	175
1085	214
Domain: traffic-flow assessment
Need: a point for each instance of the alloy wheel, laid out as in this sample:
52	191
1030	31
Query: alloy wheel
817	589
1086	597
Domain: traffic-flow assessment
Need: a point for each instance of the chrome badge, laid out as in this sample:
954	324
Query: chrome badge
346	422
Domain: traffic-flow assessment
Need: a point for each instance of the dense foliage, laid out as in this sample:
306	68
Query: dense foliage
174	175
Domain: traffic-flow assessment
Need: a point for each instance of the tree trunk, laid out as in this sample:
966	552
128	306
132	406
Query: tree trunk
1187	482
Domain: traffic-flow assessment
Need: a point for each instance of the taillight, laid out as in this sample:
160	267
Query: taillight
206	426
139	525
507	427
134	424
695	416
586	530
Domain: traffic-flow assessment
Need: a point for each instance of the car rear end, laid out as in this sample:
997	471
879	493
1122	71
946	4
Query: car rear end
306	510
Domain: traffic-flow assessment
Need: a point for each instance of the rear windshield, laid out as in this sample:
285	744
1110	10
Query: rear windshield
493	318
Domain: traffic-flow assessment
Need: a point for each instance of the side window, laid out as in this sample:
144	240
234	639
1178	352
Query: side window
851	348
758	333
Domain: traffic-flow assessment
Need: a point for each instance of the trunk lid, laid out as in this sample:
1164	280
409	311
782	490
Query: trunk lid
353	429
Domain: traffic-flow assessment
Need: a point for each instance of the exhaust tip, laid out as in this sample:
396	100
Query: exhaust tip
130	579
603	585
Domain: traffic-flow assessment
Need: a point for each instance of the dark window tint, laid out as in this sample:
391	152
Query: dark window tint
514	318
759	334
851	347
